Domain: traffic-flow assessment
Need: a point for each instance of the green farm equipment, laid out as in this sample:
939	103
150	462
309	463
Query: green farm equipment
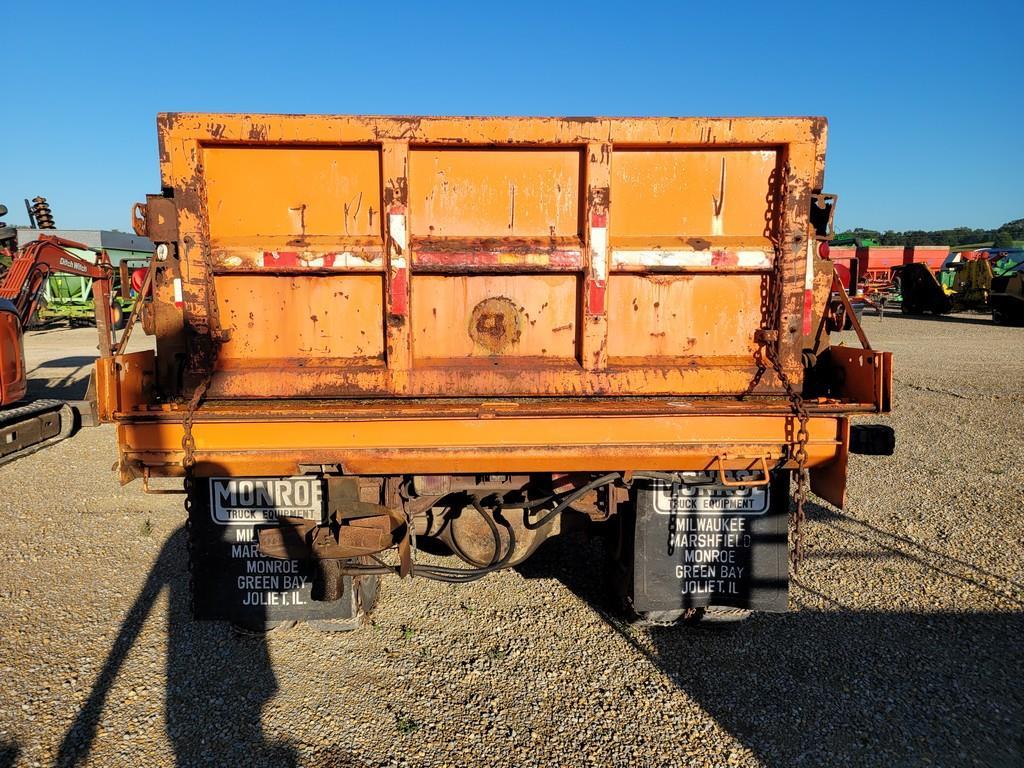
1007	294
986	279
66	297
69	298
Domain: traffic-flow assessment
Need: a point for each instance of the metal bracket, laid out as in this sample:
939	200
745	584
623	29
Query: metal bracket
159	219
354	528
157	491
844	298
139	219
823	211
761	481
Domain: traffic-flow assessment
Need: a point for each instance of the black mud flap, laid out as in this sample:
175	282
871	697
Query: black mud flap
704	544
233	581
872	439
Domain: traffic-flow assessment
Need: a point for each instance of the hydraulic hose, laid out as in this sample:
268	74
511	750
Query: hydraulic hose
466	575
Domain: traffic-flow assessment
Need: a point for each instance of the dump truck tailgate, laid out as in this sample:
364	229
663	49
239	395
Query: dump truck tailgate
358	256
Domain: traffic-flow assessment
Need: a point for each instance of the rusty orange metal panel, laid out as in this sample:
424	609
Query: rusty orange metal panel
665	318
496	316
670	197
301	317
513	443
829	479
284	197
865	375
503	376
485	202
494	193
393	295
124	383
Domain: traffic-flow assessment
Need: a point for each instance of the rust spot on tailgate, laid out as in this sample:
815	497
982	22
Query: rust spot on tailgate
397	192
496	323
599	198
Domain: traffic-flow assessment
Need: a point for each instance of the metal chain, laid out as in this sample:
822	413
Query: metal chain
188	442
771	341
188	462
673	506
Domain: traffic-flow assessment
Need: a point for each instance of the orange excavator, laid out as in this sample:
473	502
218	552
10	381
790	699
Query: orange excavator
26	427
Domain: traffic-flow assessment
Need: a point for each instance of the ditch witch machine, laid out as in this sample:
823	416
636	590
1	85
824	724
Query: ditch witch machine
381	335
26	427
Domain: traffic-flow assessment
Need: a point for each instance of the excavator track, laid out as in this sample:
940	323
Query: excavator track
27	428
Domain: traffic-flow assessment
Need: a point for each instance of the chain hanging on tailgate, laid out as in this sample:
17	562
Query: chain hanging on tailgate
188	462
771	342
188	442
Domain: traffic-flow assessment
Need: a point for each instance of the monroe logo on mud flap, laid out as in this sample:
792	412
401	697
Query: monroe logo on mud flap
260	500
709	499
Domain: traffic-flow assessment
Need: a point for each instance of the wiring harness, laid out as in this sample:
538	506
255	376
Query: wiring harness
503	552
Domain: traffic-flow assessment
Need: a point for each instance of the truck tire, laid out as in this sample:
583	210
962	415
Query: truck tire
365	591
365	588
683	617
618	573
713	615
259	630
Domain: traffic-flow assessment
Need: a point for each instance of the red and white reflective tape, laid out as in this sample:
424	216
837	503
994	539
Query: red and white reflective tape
598	264
687	259
562	259
398	286
808	289
307	260
396	230
179	300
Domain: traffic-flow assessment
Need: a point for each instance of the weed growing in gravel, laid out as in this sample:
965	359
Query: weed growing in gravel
146	528
406	725
407	632
496	653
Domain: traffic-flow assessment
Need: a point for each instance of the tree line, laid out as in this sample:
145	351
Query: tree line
1002	237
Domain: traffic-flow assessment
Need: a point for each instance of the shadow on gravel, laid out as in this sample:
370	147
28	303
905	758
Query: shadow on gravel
71	386
879	544
9	752
817	687
217	681
971	320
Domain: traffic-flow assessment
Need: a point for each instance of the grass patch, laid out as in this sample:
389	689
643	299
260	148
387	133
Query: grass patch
406	725
497	653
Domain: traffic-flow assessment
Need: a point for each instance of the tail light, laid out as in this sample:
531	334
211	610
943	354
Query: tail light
139	279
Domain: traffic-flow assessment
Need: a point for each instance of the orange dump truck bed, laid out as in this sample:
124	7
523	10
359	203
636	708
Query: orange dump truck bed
405	296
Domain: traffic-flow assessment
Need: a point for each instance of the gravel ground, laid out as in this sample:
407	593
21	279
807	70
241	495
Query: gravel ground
904	646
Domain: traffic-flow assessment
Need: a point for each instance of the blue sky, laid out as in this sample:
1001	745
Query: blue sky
925	106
